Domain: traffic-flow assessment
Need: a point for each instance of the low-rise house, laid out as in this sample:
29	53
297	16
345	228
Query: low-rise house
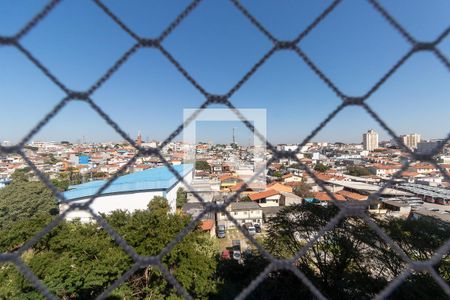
442	218
291	178
424	168
322	198
266	198
280	187
207	221
351	196
384	170
397	208
243	212
287	199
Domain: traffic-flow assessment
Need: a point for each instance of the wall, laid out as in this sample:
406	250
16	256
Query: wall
107	204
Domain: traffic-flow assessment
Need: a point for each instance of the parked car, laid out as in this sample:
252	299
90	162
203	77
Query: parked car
257	227
237	255
226	255
221	231
236	244
250	228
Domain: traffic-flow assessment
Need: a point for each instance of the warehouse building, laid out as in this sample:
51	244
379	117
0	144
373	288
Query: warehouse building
129	192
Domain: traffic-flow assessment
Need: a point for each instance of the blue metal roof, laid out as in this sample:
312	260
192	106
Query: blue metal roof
151	179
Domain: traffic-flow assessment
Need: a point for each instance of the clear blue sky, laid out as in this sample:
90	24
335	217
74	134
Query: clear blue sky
354	46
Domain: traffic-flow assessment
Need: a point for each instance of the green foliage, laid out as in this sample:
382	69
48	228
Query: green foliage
192	261
50	159
100	175
71	175
21	175
181	197
202	165
61	185
24	199
278	174
79	261
351	261
358	171
319	167
31	148
246	198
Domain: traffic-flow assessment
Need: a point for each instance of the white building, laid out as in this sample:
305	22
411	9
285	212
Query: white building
410	140
129	192
243	212
370	140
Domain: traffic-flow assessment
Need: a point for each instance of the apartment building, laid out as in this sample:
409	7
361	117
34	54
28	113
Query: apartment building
370	140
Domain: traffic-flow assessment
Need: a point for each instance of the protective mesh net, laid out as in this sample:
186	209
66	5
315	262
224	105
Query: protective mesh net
278	45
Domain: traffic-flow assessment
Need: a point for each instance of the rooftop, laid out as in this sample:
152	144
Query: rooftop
151	179
244	206
262	195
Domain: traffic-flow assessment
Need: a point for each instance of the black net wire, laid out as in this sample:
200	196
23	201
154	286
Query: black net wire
346	209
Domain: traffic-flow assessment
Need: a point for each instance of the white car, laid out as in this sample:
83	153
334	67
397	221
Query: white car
237	255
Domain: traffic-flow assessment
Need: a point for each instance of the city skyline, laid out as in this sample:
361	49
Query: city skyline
290	91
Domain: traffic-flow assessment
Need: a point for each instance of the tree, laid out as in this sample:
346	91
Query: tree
181	197
24	199
278	174
202	165
192	261
319	167
351	260
21	175
79	261
358	171
246	198
61	185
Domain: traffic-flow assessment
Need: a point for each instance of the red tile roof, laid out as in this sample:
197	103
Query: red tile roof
322	196
262	195
409	174
207	225
288	175
352	196
280	187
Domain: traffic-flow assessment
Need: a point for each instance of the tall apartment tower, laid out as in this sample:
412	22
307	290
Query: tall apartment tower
370	140
411	140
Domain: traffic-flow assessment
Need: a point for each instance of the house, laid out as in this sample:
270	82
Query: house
352	196
291	178
243	212
287	199
266	198
443	219
227	181
397	208
280	187
384	170
322	198
207	221
424	168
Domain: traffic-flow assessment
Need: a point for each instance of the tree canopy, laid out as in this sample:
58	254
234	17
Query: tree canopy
202	165
358	171
79	261
351	261
319	167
